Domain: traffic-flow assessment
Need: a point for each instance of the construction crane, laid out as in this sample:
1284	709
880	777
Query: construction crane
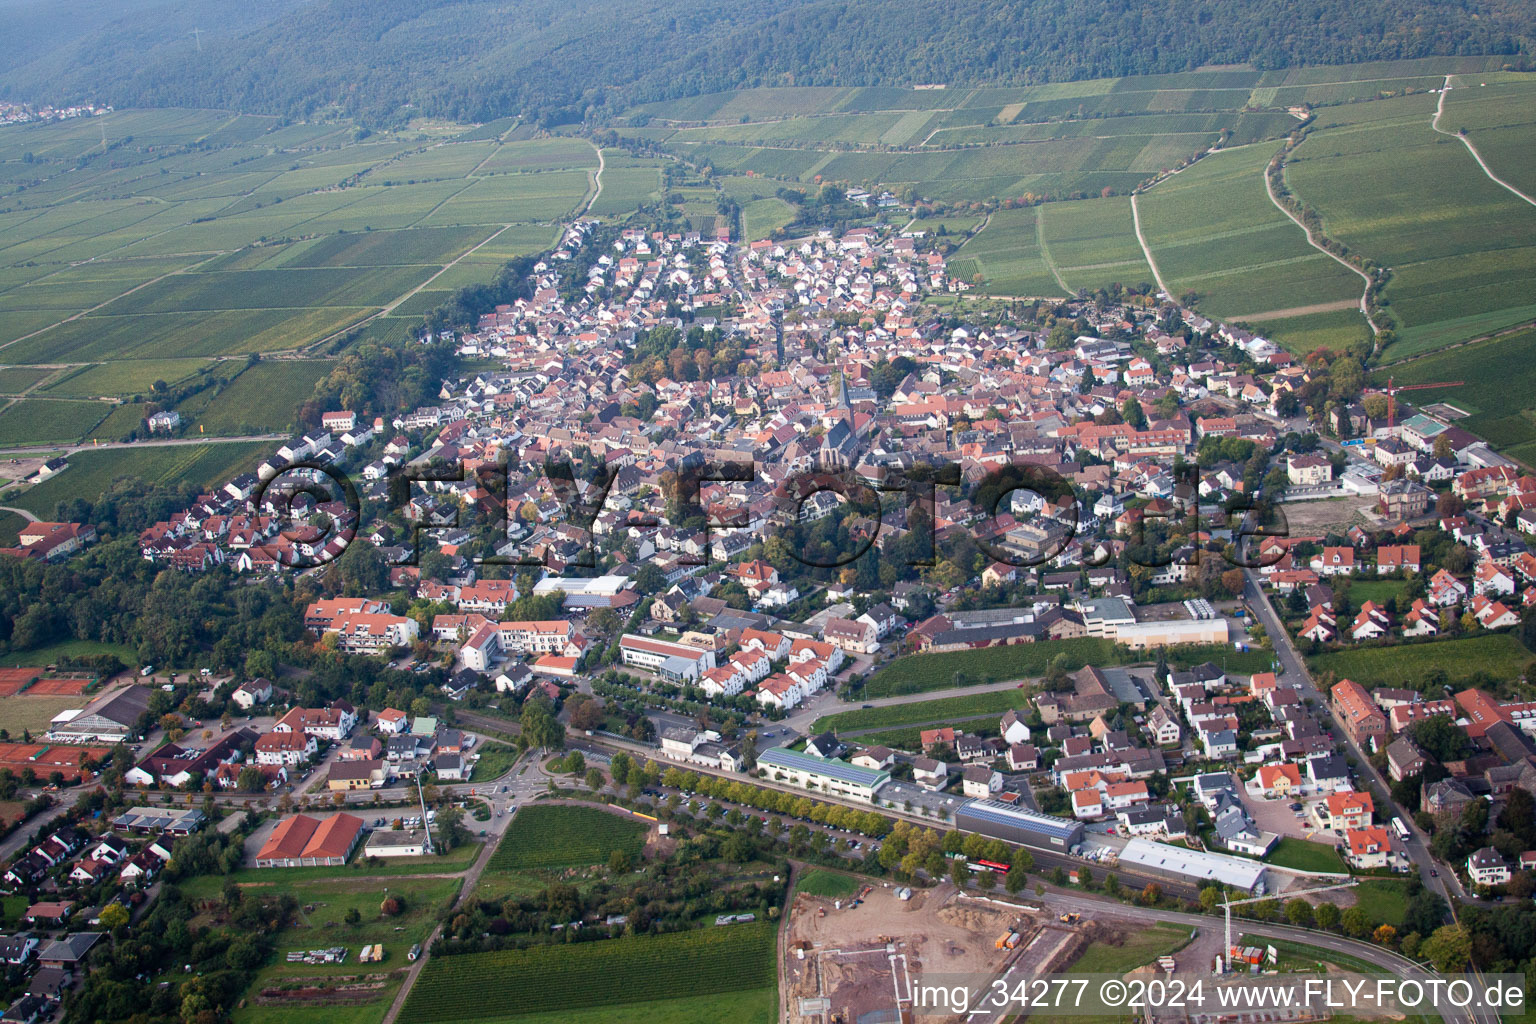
1392	389
1227	905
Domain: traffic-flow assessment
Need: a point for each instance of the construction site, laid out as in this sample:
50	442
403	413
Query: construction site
858	961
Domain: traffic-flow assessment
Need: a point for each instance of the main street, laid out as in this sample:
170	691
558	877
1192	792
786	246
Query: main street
1294	670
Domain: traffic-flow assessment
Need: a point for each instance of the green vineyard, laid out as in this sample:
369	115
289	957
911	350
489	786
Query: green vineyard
545	836
505	983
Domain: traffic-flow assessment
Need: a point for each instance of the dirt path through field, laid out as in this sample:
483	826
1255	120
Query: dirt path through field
1146	250
1269	190
597	179
1434	123
1280	314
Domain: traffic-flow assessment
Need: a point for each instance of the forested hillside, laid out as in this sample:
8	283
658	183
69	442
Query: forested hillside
559	59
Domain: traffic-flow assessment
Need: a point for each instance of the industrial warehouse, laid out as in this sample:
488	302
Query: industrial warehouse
997	820
1194	865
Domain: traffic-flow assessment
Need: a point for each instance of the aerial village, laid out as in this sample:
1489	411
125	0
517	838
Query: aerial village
693	630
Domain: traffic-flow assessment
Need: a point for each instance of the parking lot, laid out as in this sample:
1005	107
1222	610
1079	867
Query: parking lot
1276	816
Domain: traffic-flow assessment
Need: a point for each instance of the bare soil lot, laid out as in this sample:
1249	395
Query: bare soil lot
867	958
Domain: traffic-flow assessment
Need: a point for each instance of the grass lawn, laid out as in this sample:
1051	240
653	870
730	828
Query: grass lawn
919	673
1500	655
206	886
68	649
923	711
1375	590
832	885
11	908
550	836
1302	855
496	759
1384	900
896	739
1297	956
34	713
1136	951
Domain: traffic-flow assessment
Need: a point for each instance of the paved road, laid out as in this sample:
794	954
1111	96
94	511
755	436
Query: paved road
1295	670
170	442
1057	901
28	516
28	832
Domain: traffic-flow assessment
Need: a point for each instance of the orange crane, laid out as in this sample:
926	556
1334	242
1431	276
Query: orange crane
1392	390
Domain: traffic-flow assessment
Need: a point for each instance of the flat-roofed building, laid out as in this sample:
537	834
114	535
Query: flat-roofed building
823	775
1013	824
1193	865
678	662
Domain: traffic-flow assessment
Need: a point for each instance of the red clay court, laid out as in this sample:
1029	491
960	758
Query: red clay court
57	688
13	680
44	759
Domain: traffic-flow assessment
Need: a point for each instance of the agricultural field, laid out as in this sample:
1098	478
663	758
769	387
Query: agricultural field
197	235
1213	230
1460	246
550	836
1497	655
135	377
1007	254
262	398
1499	378
46	420
541	155
91	472
15	380
1455	241
642	973
1495	109
1092	244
